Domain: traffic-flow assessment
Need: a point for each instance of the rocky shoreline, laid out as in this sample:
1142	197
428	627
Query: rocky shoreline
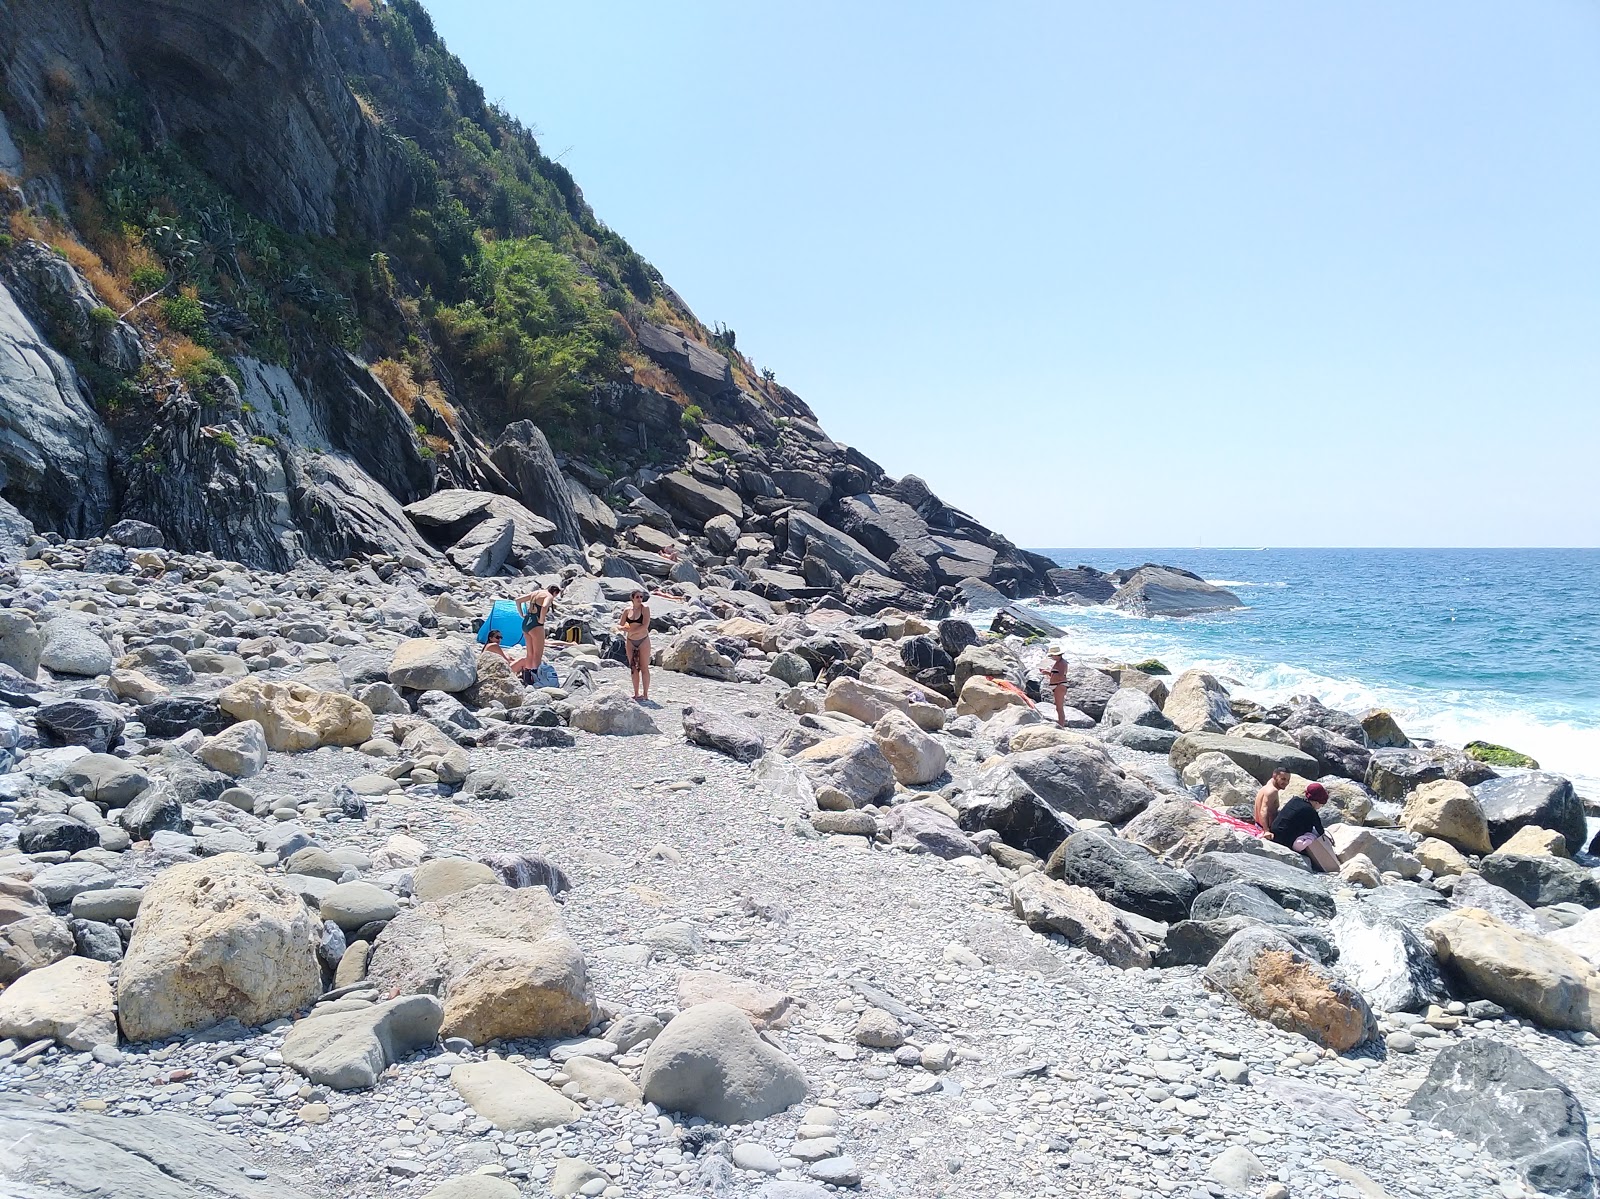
303	895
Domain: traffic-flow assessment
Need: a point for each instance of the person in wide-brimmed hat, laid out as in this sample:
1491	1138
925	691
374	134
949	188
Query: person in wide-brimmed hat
1055	678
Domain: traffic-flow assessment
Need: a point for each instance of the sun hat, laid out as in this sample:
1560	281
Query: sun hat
1054	651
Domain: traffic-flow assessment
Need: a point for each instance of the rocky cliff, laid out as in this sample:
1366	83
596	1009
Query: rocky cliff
276	271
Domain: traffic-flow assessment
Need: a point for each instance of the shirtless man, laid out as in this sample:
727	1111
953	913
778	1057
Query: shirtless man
1055	678
1269	798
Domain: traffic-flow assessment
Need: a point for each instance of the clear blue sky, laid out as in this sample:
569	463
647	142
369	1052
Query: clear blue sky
1117	274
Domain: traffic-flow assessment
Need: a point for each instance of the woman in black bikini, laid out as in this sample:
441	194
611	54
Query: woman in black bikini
635	626
535	609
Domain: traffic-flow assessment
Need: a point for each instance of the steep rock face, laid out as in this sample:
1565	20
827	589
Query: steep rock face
53	446
253	90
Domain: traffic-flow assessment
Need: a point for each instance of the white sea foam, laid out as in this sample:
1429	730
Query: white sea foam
1243	583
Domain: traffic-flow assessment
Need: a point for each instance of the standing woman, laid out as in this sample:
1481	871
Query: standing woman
634	624
1056	679
535	610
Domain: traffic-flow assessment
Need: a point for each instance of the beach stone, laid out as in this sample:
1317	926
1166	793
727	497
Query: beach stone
1447	810
982	696
747	1155
479	1186
572	1175
176	715
1080	780
1392	774
1382	730
1256	758
70	646
20	642
1491	1094
1197	703
710	1062
1236	1168
1540	880
1350	841
610	713
294	717
920	828
1227	784
356	904
695	653
33	942
1530	839
764	1006
1125	875
1472	890
855	822
156	809
108	905
1359	871
104	779
498	957
1387	962
69	1001
877	1029
447	876
510	1098
316	862
1521	971
600	1080
1441	857
915	757
1132	705
733	736
434	664
352	966
1291	887
847	772
349	1050
56	834
791	668
239	751
1534	798
86	722
1272	979
216	938
1079	915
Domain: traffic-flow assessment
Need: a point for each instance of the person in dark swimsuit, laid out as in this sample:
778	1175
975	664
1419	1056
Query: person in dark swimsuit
535	610
495	645
634	624
1055	678
1299	827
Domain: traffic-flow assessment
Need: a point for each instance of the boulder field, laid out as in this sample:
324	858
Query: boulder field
299	882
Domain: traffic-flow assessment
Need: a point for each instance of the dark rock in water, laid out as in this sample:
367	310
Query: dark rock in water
1537	798
1475	891
1540	880
1288	886
1386	961
1491	1094
1163	591
1014	618
1392	774
156	810
1335	753
1307	711
1082	584
1125	875
1141	737
734	736
1021	818
80	722
56	834
176	716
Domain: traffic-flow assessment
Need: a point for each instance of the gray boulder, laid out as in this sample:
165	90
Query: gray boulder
1288	886
525	458
1387	962
734	736
1535	798
1079	780
710	1062
1162	591
1257	758
1472	890
1125	875
1392	774
71	646
1335	754
1540	880
1491	1094
484	548
1021	818
612	714
349	1050
20	643
1128	705
699	499
917	828
1274	980
85	722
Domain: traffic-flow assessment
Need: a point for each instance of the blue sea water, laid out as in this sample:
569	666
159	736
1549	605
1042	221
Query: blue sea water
1461	644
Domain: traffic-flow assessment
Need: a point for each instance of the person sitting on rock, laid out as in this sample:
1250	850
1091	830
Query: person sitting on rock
535	609
1299	827
1270	798
634	624
1055	678
494	646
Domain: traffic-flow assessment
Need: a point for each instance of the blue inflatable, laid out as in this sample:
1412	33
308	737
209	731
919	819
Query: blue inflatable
502	616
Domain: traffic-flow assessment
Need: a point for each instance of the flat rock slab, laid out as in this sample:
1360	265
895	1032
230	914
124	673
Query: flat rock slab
348	1050
510	1098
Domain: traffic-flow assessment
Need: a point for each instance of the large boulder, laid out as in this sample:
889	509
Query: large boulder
1448	810
294	717
510	1098
919	828
86	722
239	751
1079	915
216	938
1089	690
1274	980
848	771
498	958
1350	841
700	499
1336	754
1226	783
1079	780
435	664
483	549
1521	971
915	757
1386	961
69	1001
1131	705
1392	774
1540	880
20	643
495	683
982	696
1019	817
1125	875
72	646
1197	703
1162	591
1489	1093
1532	798
524	457
724	733
1289	886
104	779
1256	757
610	713
31	940
710	1062
694	652
868	702
349	1050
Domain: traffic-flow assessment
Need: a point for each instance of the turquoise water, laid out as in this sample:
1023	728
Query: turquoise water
1494	645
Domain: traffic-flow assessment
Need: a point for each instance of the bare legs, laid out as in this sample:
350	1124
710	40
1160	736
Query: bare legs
639	666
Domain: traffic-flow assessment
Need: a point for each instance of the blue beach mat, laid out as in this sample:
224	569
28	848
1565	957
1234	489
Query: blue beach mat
502	616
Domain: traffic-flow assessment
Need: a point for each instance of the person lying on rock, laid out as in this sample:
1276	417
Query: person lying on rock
1270	798
634	625
1055	678
535	608
1299	826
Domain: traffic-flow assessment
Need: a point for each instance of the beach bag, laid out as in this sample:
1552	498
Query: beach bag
545	676
615	649
576	632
